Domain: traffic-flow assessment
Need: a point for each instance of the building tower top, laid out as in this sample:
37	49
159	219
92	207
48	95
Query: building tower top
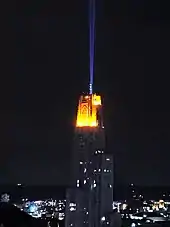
88	108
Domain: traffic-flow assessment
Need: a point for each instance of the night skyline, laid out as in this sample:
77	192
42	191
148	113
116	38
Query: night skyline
51	66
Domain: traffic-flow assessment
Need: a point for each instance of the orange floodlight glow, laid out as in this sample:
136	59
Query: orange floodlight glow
87	110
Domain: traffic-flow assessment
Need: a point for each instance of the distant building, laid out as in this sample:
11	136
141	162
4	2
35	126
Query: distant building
91	194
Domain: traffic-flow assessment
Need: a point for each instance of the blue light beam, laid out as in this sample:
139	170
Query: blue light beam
91	41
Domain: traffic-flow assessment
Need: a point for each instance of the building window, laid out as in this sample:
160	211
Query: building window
82	144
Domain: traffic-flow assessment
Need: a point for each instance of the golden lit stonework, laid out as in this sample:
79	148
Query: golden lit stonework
87	110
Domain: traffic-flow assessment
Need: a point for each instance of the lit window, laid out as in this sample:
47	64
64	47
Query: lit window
107	159
72	205
104	170
72	209
85	170
94	185
81	163
99	170
84	181
103	219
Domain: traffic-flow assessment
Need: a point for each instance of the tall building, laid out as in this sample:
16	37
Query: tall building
91	193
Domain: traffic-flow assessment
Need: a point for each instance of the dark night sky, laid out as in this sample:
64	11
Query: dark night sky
44	68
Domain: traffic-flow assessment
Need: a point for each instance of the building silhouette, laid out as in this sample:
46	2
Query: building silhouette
91	193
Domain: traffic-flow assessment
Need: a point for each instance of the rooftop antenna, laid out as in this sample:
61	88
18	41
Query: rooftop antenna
91	42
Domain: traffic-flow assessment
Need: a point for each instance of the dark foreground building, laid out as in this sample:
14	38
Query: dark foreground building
11	216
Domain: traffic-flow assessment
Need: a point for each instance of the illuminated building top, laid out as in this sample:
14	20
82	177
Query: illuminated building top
87	110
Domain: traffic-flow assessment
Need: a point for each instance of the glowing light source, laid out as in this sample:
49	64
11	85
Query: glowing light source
32	208
87	110
103	219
